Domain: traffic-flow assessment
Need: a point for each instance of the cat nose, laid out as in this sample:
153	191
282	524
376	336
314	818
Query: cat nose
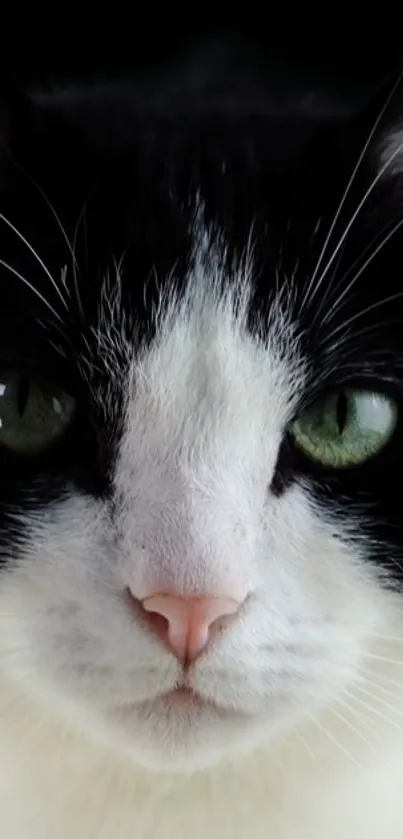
187	624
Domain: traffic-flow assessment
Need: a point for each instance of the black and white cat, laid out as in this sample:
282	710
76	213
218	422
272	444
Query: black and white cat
201	429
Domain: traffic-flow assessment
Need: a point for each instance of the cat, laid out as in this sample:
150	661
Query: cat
201	528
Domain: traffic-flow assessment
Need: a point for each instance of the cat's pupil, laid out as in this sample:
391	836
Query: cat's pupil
24	387
341	412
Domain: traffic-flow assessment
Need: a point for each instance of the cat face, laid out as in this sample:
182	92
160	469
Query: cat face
201	382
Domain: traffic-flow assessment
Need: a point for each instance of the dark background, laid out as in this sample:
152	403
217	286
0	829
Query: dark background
343	52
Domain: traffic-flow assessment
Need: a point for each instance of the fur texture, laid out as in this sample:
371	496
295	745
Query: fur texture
195	277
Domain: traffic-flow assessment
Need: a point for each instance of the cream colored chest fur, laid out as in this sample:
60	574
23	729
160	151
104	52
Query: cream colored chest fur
53	785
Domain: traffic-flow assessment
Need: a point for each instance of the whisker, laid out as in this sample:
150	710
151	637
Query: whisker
375	711
334	740
375	684
280	255
32	288
353	729
384	659
49	204
351	340
307	747
330	289
346	194
372	307
363	720
37	257
57	348
381	701
383	676
364	266
75	276
356	213
395	639
295	270
63	279
368	249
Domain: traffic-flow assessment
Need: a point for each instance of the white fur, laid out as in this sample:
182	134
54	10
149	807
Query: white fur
305	740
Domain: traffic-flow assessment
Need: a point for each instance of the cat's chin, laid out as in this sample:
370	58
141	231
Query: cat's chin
180	700
178	731
181	731
178	706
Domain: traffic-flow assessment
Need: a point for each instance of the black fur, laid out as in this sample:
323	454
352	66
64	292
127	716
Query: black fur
122	167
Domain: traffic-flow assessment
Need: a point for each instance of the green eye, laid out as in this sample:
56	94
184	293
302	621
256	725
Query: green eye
32	415
346	428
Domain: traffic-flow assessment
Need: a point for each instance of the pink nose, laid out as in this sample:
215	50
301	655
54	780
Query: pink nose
186	625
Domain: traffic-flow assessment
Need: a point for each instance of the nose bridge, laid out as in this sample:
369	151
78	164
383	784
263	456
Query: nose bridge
178	550
188	528
206	545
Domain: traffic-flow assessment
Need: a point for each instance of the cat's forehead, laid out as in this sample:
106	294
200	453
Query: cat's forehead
206	349
100	132
112	196
127	181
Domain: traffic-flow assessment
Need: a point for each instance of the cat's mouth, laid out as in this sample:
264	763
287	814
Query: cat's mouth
184	698
181	699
